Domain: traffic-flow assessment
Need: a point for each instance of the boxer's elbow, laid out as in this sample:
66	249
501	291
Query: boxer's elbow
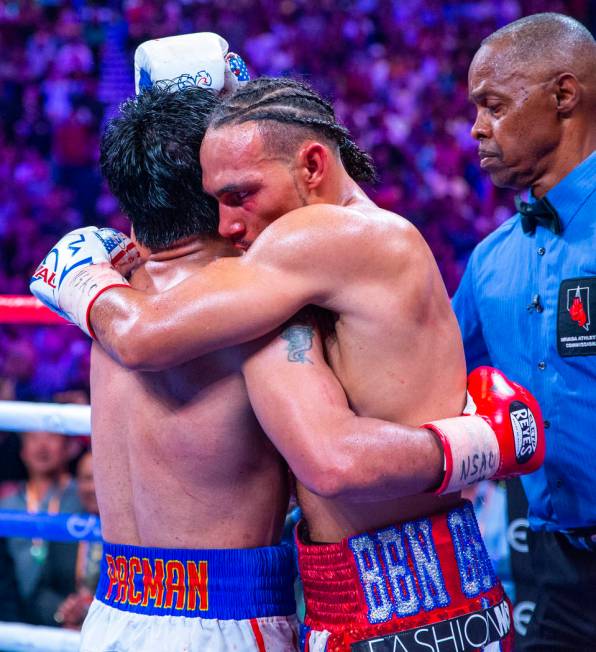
139	352
131	356
329	467
324	482
331	475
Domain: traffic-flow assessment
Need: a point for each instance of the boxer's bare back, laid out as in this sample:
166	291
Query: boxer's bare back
179	458
396	348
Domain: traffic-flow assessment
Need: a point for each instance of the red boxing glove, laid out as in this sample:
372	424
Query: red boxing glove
515	417
504	439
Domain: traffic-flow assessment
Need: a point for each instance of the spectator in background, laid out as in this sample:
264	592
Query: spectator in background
71	571
49	488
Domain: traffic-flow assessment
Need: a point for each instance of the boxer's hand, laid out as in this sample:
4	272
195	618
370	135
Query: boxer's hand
515	417
201	59
504	439
82	265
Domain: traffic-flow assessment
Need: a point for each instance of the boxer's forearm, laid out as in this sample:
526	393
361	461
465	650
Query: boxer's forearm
113	317
222	306
143	332
362	459
333	452
375	460
128	326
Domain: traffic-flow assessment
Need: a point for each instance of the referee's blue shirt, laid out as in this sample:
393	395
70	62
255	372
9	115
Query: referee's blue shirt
527	305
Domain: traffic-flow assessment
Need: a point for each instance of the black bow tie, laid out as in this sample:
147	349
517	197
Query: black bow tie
541	212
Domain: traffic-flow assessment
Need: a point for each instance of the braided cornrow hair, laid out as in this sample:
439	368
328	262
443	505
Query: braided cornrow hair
293	104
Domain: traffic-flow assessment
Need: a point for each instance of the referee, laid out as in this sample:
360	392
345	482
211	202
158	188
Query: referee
527	301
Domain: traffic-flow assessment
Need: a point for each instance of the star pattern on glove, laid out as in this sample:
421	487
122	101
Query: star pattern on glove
237	66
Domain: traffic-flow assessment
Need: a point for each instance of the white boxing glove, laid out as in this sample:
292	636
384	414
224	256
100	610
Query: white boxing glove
201	59
82	265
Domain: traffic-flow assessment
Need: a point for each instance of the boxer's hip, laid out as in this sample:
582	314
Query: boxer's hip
425	584
154	598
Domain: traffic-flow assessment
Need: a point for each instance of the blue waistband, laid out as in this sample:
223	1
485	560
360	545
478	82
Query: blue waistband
222	584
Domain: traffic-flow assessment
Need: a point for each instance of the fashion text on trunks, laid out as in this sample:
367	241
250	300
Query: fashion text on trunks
463	634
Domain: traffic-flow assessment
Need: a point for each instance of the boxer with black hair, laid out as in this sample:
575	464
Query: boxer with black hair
192	495
388	552
282	106
191	492
148	156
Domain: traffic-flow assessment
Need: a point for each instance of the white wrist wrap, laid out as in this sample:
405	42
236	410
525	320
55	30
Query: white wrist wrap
81	288
471	451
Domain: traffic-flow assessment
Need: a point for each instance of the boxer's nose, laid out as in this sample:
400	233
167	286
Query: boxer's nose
230	226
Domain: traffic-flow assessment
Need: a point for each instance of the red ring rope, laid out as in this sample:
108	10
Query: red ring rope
16	309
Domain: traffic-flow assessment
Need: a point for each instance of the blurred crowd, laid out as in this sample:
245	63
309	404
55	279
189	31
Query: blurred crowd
395	70
397	73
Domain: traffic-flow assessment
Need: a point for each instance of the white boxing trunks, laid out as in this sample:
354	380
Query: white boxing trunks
156	599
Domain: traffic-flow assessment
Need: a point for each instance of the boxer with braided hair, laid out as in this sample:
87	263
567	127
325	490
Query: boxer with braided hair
388	551
285	105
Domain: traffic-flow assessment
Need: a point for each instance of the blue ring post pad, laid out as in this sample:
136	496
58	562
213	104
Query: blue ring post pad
222	584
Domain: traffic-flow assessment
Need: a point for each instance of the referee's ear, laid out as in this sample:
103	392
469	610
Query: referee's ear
568	92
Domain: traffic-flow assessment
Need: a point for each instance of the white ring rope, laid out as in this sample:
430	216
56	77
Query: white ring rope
66	419
19	637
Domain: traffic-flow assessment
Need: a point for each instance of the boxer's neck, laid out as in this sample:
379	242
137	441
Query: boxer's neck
197	247
163	268
338	188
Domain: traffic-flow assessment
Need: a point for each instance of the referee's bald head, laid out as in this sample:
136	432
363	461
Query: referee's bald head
533	83
546	43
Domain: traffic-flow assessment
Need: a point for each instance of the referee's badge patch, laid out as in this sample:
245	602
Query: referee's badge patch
576	332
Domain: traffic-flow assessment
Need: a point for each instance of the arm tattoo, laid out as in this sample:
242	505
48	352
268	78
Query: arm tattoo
299	339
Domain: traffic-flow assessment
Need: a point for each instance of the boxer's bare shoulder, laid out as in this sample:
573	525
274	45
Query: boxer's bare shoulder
359	231
350	260
329	254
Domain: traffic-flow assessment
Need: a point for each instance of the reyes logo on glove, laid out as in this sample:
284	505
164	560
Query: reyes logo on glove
525	431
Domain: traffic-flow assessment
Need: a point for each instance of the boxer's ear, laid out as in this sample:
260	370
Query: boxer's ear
313	163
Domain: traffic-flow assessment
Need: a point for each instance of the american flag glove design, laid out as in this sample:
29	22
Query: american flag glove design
236	73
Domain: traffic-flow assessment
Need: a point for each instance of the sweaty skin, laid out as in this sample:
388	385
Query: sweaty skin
179	457
396	349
